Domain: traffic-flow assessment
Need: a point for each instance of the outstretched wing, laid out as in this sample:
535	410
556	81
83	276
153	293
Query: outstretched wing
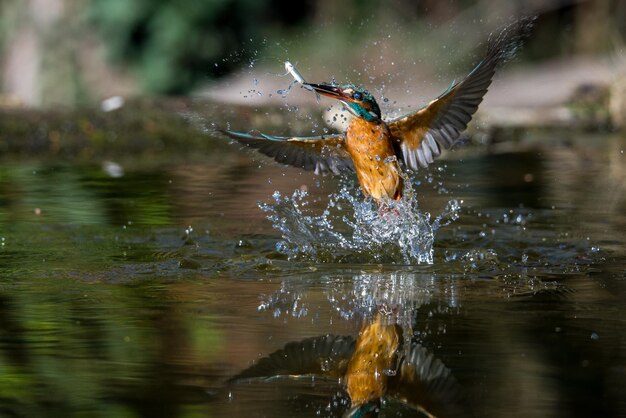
425	383
327	356
322	154
420	135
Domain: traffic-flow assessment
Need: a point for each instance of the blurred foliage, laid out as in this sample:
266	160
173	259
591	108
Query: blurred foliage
52	51
175	44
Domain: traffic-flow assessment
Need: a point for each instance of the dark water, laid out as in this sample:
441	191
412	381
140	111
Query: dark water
140	295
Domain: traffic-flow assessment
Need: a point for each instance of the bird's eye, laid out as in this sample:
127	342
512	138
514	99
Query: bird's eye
357	96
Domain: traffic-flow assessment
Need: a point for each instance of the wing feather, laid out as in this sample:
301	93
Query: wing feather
444	119
322	154
423	381
326	355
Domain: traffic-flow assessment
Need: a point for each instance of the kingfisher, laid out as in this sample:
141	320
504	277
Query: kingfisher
371	368
376	148
372	363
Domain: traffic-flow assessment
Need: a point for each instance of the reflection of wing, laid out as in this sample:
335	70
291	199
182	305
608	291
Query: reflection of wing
322	356
323	154
421	134
424	382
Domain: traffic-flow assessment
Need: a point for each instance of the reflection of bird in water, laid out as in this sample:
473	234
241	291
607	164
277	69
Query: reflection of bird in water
372	368
373	147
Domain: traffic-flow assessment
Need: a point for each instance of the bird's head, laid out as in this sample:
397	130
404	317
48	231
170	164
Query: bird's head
357	100
365	410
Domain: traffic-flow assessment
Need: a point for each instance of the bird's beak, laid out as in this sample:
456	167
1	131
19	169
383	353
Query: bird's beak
327	90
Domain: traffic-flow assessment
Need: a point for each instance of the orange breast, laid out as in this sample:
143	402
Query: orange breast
369	145
374	359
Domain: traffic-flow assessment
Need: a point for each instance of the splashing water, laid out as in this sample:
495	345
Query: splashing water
354	230
396	295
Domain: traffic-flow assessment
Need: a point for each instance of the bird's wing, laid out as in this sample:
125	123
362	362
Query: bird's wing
425	383
322	154
419	136
327	356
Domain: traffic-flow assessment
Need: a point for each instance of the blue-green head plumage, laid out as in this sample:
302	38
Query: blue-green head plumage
357	100
363	103
366	410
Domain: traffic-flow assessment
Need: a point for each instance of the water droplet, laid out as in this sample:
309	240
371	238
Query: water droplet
397	232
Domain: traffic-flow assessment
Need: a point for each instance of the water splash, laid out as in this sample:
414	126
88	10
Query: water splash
354	230
396	295
289	300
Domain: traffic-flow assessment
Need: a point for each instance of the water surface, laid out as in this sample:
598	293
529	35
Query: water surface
140	293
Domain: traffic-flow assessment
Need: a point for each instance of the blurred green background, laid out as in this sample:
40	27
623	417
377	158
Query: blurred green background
78	51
